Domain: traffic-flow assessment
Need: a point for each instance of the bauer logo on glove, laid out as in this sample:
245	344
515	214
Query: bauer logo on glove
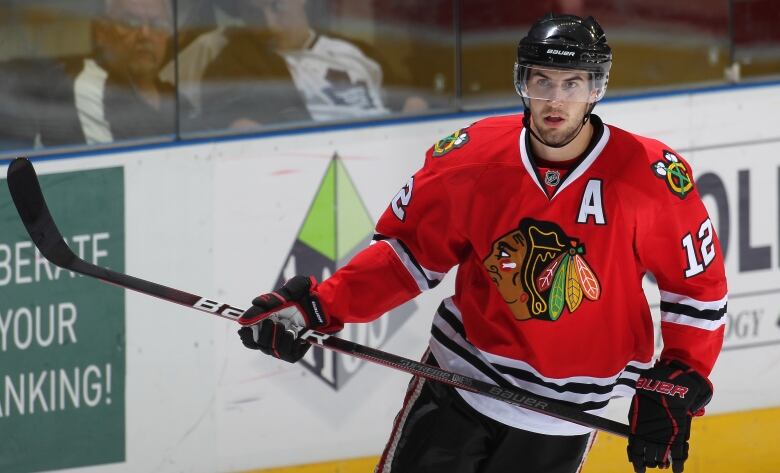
661	387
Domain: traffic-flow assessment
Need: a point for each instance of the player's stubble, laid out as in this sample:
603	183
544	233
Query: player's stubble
571	112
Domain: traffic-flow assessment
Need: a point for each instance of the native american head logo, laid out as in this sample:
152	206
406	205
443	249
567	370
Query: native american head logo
674	172
451	142
540	271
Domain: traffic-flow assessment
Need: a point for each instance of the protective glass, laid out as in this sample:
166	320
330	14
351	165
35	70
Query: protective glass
560	85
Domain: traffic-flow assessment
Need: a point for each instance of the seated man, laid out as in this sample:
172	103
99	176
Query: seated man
335	78
279	69
110	95
117	91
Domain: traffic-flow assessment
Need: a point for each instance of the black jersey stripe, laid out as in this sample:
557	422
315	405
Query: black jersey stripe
571	387
634	369
451	319
466	355
684	309
488	371
420	271
524	375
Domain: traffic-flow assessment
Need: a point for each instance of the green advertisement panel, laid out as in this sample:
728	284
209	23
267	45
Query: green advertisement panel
62	336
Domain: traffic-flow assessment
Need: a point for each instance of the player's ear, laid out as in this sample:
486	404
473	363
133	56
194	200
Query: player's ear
594	94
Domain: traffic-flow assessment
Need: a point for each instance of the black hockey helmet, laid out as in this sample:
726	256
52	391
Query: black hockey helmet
565	42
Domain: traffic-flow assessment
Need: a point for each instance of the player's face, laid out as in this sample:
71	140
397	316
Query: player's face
559	100
557	123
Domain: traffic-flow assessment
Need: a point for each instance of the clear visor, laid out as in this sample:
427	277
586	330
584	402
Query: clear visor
560	85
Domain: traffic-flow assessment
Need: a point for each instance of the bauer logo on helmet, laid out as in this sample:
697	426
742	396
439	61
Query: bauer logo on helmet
560	53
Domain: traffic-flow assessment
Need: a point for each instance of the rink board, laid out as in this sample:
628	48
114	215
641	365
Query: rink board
227	219
722	443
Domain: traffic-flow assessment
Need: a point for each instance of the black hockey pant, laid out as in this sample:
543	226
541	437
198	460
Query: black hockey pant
436	431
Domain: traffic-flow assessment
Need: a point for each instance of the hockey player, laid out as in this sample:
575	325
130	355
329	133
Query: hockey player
553	218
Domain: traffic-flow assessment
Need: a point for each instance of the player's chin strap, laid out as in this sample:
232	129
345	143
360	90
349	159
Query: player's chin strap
527	125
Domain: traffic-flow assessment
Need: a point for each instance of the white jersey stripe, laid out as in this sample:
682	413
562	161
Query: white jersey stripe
425	278
527	161
500	411
387	457
451	350
586	163
510	362
575	174
591	441
606	381
667	296
703	324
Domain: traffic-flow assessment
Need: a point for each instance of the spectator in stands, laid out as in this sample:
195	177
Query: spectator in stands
112	94
117	92
201	37
279	69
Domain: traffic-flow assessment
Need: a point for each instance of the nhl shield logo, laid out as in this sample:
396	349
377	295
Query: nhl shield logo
552	177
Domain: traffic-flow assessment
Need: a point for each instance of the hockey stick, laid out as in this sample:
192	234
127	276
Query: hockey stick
28	198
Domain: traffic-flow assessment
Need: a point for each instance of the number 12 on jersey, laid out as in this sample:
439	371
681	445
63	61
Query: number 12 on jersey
706	248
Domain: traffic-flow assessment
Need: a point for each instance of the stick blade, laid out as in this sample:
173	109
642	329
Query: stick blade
28	199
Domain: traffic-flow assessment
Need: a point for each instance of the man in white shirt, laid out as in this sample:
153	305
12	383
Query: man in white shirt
331	78
336	79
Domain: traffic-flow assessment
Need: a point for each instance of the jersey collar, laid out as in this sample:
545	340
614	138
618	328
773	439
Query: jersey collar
593	152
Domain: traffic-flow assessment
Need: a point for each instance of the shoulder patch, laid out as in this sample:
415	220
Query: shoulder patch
451	142
672	170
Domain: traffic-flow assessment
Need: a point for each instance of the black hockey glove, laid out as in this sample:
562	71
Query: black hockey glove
667	397
275	320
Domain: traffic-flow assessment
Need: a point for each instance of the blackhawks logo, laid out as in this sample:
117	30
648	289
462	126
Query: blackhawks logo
540	271
453	141
674	172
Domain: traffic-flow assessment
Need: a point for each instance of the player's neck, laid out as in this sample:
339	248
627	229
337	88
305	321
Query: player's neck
575	148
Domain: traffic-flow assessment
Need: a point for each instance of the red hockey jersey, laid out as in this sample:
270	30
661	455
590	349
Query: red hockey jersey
548	292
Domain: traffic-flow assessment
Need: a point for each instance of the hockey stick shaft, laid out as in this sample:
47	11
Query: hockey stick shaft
31	205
